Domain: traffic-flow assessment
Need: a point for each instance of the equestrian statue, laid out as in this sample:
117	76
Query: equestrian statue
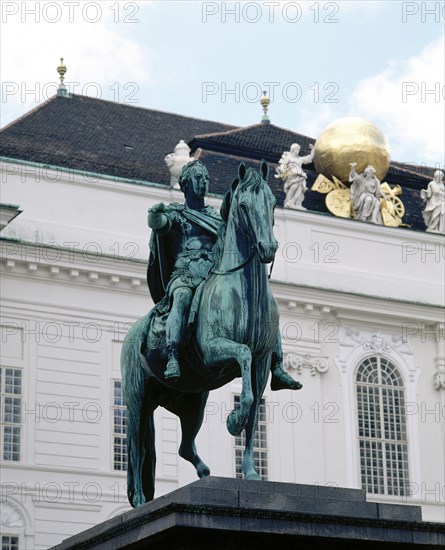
214	319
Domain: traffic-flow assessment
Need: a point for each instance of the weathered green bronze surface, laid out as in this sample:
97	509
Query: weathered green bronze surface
215	319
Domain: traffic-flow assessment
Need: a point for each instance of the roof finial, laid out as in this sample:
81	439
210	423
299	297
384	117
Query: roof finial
62	89
265	104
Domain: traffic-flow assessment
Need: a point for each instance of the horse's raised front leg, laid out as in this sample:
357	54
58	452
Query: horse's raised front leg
220	350
261	373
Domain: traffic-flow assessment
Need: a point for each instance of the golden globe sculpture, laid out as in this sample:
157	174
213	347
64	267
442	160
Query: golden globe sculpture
347	140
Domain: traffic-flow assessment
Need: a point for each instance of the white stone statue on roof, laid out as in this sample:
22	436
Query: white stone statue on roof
176	161
366	193
434	195
291	172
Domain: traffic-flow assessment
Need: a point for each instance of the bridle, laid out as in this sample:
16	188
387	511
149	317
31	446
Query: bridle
254	251
233	269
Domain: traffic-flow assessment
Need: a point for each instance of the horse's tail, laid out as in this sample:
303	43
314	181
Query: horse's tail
140	427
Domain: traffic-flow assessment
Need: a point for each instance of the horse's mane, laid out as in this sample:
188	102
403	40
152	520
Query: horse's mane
252	179
218	248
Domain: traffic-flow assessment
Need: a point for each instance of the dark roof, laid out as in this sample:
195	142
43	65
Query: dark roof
260	141
101	136
124	141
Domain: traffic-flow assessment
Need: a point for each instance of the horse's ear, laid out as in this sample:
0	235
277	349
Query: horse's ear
242	171
264	170
225	206
227	201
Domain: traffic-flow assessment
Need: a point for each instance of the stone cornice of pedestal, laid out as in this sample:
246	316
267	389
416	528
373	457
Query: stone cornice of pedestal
73	267
227	513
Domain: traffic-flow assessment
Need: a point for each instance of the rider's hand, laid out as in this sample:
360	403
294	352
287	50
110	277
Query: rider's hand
156	217
160	207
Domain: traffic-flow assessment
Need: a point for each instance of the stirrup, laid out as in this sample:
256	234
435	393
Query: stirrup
172	371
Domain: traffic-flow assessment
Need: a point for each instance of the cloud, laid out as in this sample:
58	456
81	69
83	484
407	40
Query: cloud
363	6
397	100
312	122
101	53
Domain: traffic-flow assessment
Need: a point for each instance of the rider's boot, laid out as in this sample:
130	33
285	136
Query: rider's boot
172	371
283	381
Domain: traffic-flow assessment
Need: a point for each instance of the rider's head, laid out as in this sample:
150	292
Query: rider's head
195	177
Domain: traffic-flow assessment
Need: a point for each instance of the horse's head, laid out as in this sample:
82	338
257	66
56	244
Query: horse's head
252	205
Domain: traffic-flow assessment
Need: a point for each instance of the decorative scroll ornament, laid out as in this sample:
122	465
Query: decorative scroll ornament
376	342
339	201
439	380
10	516
300	362
439	375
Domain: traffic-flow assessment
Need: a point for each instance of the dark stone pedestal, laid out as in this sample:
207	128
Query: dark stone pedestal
219	513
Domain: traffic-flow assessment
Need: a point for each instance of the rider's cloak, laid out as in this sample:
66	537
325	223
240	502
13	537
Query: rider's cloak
161	260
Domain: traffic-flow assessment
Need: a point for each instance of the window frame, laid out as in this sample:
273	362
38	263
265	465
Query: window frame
15	425
114	434
239	444
9	534
381	440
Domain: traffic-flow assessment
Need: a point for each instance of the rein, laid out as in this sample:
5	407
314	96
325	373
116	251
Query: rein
249	259
243	264
271	267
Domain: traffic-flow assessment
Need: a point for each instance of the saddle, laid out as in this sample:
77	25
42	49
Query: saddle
156	344
194	373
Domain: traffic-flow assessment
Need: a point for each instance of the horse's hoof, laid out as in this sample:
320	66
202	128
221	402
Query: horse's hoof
235	424
203	470
254	476
283	381
138	501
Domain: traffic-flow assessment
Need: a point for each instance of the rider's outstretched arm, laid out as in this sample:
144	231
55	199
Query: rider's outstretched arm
157	218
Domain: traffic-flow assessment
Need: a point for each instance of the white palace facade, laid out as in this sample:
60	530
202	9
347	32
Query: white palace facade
361	313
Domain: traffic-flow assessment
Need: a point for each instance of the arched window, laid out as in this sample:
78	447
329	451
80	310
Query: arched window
382	427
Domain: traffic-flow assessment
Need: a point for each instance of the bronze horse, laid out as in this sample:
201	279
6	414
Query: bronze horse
236	334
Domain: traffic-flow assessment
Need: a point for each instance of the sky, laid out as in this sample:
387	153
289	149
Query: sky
319	61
